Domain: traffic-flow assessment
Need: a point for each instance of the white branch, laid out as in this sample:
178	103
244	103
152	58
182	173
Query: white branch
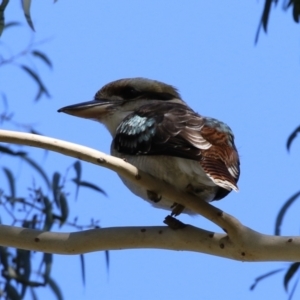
240	242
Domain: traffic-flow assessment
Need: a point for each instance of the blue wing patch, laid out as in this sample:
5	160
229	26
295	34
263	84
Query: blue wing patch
134	134
159	129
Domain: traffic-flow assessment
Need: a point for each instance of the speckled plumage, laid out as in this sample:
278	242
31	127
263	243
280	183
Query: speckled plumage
154	129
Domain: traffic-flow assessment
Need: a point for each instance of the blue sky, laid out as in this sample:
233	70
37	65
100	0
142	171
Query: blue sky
207	50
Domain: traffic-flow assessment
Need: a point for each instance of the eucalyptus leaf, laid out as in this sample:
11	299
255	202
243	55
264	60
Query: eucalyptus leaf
290	273
11	182
90	186
283	211
55	288
82	264
43	57
26	9
2	19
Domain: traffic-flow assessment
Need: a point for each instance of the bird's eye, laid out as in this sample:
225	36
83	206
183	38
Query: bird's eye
130	93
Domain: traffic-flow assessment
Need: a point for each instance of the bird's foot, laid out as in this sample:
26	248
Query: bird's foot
153	196
174	223
177	209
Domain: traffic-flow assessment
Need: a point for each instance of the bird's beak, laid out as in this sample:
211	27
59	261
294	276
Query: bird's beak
89	110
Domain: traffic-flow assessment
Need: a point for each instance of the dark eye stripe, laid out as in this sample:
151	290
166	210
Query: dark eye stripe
160	96
130	93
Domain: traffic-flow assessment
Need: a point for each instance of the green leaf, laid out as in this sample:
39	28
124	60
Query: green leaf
290	273
4	257
7	150
89	185
24	288
43	57
26	9
77	167
64	208
293	289
265	17
11	182
31	162
12	293
292	137
266	13
55	288
107	260
33	221
35	132
23	263
23	268
2	9
48	212
26	224
258	279
34	165
56	188
36	78
82	268
296	8
283	211
11	24
296	11
47	260
33	294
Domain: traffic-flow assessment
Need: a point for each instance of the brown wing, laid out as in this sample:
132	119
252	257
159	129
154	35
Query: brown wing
175	130
162	129
221	160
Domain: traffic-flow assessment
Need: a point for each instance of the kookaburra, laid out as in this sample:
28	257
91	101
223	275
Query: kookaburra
156	131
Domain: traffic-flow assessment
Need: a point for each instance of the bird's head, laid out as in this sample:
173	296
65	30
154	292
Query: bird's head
114	101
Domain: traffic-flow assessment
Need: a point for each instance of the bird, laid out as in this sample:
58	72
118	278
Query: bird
154	129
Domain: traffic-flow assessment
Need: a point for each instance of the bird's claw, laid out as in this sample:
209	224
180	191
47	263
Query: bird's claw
174	223
177	209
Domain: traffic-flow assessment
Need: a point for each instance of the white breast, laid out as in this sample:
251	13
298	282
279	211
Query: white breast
179	172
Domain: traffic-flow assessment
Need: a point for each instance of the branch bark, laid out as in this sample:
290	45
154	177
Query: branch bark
239	242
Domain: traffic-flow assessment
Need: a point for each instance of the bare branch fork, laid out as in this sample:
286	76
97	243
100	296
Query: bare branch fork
239	242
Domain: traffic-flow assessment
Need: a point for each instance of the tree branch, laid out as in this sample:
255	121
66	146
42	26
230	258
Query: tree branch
259	247
240	242
223	220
